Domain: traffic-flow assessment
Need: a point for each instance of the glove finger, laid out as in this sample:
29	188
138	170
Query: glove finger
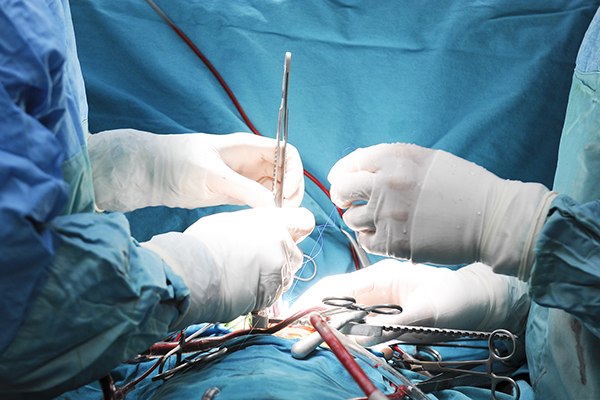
386	281
300	222
263	149
294	175
252	156
360	218
333	285
368	286
242	190
349	188
363	159
296	259
294	199
384	245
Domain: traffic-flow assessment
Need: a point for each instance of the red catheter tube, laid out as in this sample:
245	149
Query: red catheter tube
346	359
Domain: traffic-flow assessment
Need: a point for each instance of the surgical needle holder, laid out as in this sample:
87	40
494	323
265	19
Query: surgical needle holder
260	319
282	134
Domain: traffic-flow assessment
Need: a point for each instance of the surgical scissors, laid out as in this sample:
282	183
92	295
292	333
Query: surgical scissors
460	373
350	303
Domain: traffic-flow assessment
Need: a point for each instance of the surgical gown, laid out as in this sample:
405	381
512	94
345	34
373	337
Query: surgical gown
78	295
563	331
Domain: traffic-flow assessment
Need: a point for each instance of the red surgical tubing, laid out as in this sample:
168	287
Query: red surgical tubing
345	358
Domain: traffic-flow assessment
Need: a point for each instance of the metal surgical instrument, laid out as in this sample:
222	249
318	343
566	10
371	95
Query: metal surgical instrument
342	354
260	319
400	381
352	312
361	254
350	304
282	133
460	373
418	334
304	347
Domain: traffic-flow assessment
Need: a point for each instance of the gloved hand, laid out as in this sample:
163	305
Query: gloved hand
234	263
471	298
134	169
431	206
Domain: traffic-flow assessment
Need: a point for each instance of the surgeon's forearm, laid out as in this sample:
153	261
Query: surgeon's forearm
123	169
104	300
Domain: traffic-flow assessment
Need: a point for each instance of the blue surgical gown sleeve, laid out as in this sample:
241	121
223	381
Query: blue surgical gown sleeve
566	274
78	295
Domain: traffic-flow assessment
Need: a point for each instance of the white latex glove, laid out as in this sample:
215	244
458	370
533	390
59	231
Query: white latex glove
471	298
134	169
431	206
234	263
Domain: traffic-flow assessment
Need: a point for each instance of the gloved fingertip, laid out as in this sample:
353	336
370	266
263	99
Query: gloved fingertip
342	166
337	200
293	161
294	199
292	203
293	187
300	223
297	258
348	164
259	199
333	174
